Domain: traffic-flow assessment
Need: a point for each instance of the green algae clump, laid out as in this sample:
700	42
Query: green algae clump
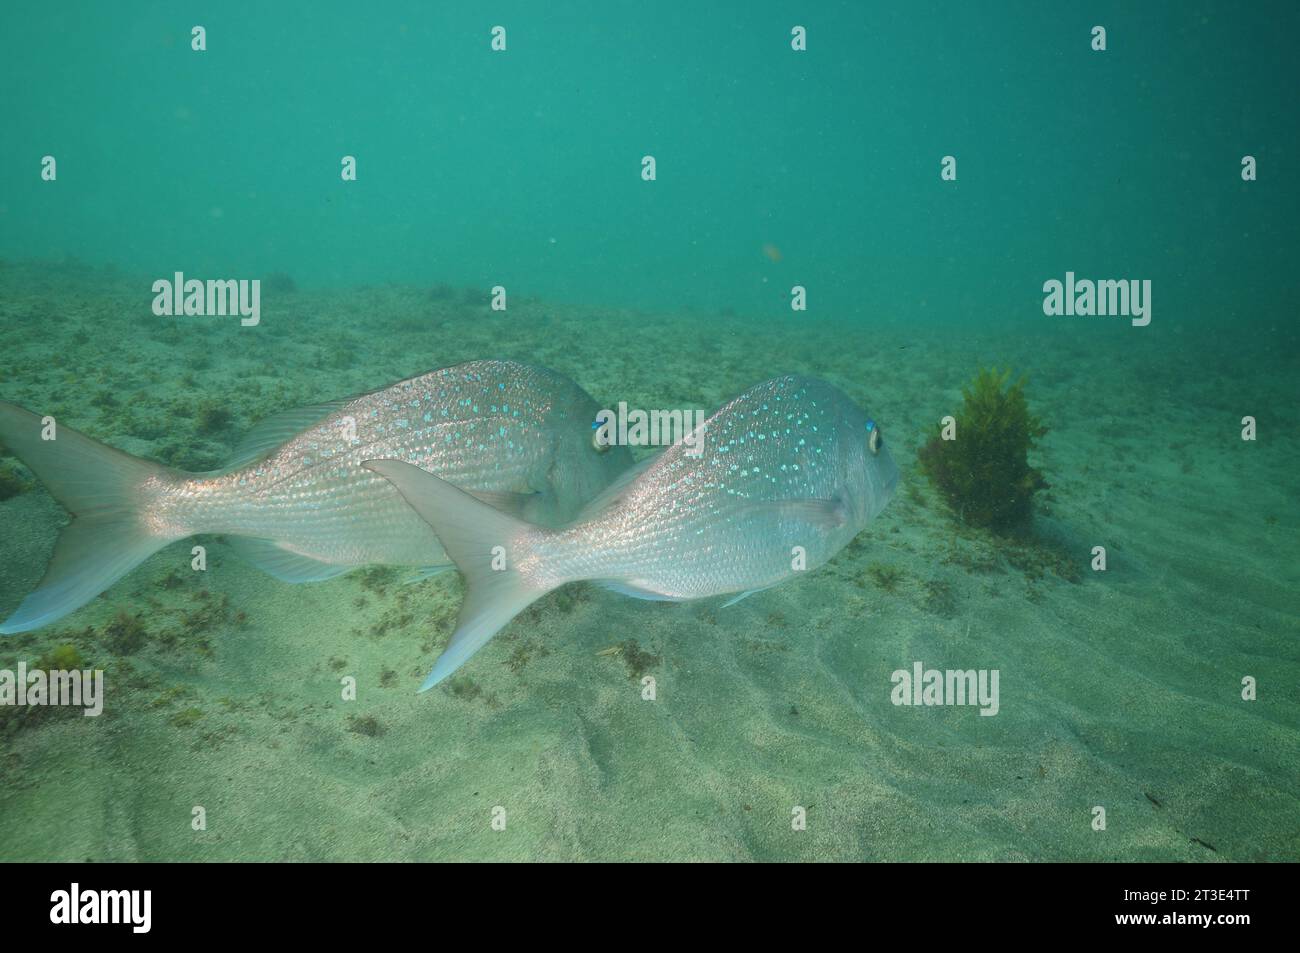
212	417
61	658
11	484
984	473
126	634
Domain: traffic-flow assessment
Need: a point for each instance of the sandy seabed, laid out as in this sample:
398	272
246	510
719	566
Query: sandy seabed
1120	690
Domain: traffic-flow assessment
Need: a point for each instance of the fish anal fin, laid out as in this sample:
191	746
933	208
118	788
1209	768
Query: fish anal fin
635	591
284	564
426	572
742	596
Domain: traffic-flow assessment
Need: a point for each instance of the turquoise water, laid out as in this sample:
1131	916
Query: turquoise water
522	168
775	168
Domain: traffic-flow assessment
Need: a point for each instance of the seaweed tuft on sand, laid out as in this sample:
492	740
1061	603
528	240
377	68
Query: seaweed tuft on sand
984	471
11	484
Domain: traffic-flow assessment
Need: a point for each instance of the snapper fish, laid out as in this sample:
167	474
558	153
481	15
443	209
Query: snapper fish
792	462
296	500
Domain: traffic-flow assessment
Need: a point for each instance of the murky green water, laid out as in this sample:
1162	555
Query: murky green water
635	199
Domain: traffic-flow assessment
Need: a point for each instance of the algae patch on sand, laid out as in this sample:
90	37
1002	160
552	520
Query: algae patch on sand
981	465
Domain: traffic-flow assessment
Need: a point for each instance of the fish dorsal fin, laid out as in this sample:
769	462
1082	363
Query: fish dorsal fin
279	429
612	493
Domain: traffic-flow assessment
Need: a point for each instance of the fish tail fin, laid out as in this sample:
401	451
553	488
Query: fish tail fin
101	488
484	543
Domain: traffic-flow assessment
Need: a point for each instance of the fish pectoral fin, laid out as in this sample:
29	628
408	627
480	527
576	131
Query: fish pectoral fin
283	564
512	504
824	513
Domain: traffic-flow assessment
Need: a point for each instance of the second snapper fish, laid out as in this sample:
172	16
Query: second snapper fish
296	500
790	462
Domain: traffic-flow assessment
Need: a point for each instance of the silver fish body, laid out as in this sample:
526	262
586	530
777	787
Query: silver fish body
785	478
515	435
786	475
298	503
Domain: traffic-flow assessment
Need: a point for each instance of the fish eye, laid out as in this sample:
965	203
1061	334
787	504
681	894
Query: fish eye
875	439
